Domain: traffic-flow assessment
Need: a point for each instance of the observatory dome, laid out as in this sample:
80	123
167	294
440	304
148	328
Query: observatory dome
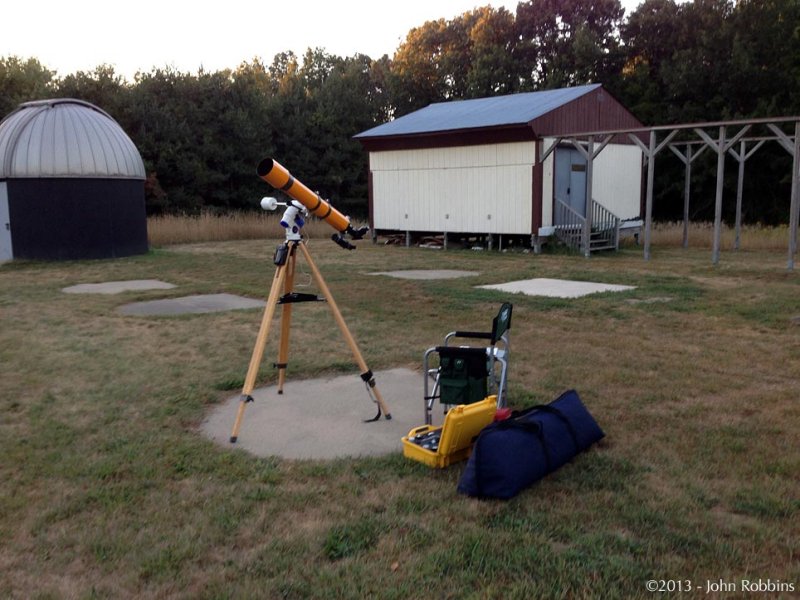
65	137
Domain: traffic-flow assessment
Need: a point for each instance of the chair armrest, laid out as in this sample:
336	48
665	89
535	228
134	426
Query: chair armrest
478	335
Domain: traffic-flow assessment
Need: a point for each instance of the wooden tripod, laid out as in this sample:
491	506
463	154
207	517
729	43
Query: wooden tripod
285	258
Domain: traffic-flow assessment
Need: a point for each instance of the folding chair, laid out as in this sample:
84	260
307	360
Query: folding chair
465	374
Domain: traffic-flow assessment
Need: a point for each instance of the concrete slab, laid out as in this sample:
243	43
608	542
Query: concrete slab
190	305
116	287
323	418
556	288
427	274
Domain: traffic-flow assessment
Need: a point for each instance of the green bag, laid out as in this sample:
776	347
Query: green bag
463	375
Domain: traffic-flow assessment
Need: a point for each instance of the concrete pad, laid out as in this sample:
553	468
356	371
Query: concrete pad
556	288
427	274
323	418
190	305
116	287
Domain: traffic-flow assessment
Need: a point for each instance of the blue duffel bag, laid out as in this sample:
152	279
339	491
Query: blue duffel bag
510	455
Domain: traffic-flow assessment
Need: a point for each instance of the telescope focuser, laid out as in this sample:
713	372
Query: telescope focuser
355	234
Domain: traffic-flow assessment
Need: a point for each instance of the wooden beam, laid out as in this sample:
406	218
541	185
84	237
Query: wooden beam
782	138
549	150
602	145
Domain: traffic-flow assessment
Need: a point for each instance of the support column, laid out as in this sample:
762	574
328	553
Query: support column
794	207
587	225
648	209
739	192
718	197
687	192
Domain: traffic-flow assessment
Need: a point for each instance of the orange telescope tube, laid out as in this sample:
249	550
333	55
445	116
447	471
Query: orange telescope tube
279	177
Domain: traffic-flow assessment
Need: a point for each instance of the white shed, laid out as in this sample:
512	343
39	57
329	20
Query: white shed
488	166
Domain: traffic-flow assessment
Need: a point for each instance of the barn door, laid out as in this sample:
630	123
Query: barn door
570	181
5	225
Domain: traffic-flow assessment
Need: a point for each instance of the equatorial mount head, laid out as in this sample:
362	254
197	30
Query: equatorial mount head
293	217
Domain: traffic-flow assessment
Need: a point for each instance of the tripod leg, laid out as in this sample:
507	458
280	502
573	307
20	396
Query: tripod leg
366	374
286	319
258	351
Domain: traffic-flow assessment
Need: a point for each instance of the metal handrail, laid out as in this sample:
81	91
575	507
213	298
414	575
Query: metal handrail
569	224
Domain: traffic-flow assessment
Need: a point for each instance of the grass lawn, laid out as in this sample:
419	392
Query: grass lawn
108	490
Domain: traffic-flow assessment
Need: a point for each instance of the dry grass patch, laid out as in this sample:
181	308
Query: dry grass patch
168	230
701	235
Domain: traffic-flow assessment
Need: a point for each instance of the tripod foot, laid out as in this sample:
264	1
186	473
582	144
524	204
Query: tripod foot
378	417
233	439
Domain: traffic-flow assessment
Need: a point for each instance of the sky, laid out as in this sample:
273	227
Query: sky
78	36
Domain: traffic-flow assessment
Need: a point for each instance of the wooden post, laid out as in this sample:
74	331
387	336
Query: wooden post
648	210
794	207
739	191
793	148
687	160
687	187
720	148
587	224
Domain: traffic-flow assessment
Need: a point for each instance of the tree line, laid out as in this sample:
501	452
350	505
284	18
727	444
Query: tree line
201	134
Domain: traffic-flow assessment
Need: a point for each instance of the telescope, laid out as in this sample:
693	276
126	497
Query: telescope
279	177
303	202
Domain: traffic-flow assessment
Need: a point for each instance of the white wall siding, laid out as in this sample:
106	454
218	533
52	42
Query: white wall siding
482	189
618	179
6	248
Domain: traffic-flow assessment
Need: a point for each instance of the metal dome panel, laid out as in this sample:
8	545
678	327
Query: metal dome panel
66	138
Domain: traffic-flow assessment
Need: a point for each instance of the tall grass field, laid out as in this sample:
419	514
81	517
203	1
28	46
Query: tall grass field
208	227
109	490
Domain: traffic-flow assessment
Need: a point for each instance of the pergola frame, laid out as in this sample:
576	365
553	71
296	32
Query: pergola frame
591	143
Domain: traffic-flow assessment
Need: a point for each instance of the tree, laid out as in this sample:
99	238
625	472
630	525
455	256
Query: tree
700	64
469	56
568	42
650	38
493	70
765	56
22	80
102	87
418	75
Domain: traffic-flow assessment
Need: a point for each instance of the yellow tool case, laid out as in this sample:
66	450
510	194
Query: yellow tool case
442	446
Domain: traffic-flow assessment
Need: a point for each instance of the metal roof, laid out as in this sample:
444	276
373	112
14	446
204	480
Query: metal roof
497	111
65	137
